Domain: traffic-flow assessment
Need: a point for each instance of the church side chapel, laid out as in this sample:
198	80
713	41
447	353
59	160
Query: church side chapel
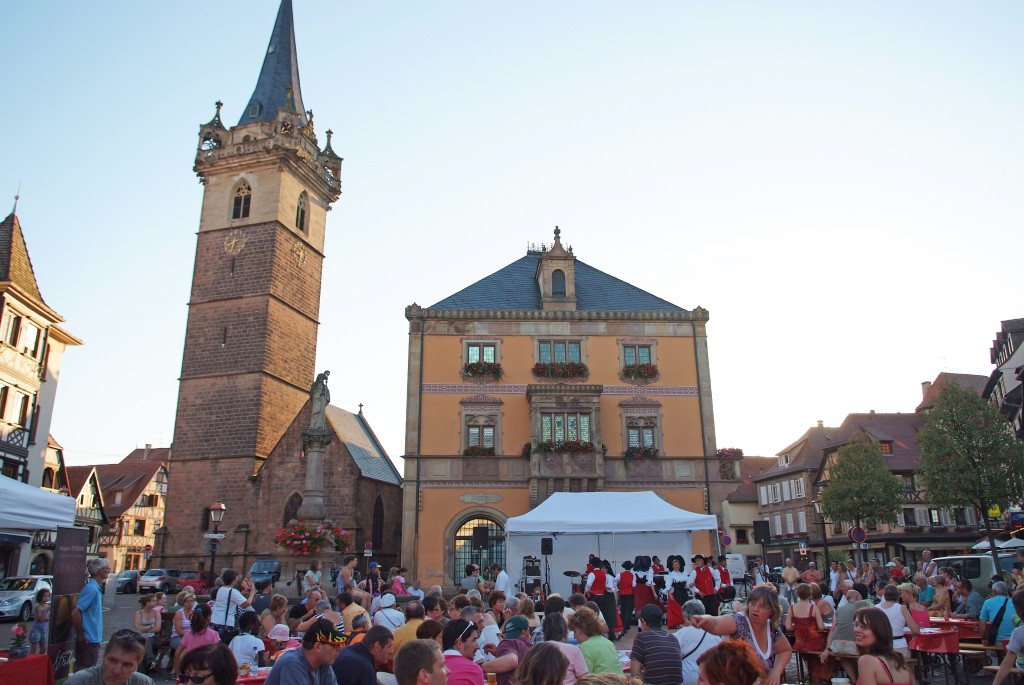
255	430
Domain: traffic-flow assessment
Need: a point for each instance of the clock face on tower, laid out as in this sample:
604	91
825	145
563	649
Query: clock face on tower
299	252
234	242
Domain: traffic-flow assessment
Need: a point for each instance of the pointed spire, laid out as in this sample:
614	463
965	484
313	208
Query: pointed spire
15	264
328	151
280	73
215	122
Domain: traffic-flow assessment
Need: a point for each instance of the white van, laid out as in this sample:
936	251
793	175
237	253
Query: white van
737	566
977	568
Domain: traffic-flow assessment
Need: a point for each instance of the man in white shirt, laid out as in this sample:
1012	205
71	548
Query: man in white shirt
833	578
928	567
501	580
704	582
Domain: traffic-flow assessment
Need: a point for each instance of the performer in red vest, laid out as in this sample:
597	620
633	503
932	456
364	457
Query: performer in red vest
723	571
626	582
705	583
597	589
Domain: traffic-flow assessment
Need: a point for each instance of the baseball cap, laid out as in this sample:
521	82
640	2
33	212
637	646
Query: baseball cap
324	632
891	563
374	564
516	626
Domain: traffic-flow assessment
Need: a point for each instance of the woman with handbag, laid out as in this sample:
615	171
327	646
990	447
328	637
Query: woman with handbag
227	604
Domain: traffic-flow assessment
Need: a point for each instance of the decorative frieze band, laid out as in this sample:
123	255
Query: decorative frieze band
516	389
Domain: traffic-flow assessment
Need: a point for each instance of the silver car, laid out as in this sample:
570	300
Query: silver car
18	595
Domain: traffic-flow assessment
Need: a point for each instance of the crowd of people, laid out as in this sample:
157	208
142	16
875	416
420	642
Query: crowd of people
855	618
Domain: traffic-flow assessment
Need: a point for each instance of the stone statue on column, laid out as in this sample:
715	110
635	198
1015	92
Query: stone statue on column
315	440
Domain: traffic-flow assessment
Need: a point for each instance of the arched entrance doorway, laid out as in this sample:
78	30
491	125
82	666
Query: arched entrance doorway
486	548
40	565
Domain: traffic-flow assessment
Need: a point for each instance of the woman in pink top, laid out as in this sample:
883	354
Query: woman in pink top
878	663
909	593
557	632
200	633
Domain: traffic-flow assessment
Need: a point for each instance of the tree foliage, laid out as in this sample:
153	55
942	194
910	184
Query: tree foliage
969	458
861	487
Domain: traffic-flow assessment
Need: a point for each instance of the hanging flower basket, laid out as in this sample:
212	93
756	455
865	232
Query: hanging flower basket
565	446
527	450
640	372
305	538
482	370
477	451
560	370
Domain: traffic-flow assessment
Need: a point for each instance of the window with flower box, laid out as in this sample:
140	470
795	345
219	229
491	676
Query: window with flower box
559	351
636	354
480	435
638	357
481	359
481	352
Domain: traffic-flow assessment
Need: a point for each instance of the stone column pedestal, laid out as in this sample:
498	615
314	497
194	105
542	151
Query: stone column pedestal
315	440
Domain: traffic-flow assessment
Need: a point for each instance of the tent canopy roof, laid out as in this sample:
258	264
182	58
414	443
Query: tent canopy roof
565	513
23	507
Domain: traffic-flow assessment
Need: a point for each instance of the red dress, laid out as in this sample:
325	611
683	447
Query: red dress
810	639
644	594
675	609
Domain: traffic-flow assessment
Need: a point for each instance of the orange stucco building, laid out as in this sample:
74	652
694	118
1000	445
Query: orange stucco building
550	376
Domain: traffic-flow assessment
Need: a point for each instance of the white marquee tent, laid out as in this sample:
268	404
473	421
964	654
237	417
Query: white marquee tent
23	507
613	525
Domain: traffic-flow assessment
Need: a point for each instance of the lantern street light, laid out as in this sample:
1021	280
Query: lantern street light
217	511
819	508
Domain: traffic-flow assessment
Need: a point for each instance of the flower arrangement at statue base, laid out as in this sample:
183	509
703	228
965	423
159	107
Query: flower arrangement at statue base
305	538
478	451
565	446
633	453
19	634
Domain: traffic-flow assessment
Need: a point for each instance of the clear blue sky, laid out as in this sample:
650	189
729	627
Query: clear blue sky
838	183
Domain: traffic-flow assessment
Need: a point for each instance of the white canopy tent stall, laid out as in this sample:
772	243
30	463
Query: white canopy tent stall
613	525
25	509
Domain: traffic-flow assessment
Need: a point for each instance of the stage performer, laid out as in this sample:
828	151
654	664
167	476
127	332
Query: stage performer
643	593
613	588
626	582
597	589
705	583
659	578
675	581
723	571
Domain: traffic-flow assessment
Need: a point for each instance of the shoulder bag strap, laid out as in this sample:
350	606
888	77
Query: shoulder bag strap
227	605
685	656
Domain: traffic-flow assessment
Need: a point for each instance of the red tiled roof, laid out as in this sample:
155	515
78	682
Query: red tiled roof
78	477
130	477
750	468
804	454
965	380
900	428
15	264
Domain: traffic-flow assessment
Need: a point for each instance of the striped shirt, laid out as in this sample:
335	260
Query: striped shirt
658	652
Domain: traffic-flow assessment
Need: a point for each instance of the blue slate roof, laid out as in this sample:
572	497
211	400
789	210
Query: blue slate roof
362	444
279	73
514	288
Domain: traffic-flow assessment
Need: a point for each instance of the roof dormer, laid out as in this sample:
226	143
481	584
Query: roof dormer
556	277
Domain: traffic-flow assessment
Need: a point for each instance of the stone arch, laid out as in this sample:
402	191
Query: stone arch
291	507
499	518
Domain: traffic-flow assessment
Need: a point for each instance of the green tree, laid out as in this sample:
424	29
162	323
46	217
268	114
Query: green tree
969	458
861	487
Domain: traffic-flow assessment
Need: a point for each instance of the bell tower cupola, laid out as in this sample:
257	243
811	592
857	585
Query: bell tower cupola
556	277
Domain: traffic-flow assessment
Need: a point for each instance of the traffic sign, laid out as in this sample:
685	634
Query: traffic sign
148	548
858	535
368	544
726	541
212	546
213	536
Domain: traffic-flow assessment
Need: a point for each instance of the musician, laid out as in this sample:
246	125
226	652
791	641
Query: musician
704	582
675	581
599	589
626	583
762	574
723	571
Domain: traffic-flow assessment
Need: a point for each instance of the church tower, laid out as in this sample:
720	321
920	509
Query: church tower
250	344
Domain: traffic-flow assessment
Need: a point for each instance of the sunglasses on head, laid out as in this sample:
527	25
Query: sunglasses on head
128	632
468	628
197	679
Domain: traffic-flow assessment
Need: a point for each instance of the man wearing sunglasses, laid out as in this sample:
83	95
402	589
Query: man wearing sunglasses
120	664
459	642
310	665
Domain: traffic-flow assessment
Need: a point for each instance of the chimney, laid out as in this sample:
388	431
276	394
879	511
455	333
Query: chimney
925	387
145	452
821	424
872	411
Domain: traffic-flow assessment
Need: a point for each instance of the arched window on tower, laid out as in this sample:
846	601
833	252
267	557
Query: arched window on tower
242	201
479	541
378	524
291	508
558	282
300	212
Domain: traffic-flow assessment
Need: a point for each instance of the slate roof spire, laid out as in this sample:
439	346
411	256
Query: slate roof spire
278	85
15	264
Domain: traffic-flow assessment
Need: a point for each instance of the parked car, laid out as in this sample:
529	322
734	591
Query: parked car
18	595
193	579
265	569
128	582
977	568
163	579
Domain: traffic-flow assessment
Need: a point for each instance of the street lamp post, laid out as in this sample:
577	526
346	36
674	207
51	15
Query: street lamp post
824	533
217	511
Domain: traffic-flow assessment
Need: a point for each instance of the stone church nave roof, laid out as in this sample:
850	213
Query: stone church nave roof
362	444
